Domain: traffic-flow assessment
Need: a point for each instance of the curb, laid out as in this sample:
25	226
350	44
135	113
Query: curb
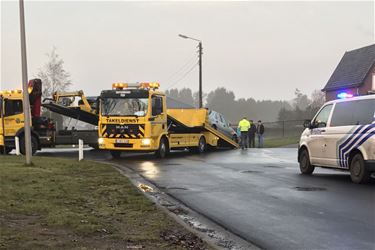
214	235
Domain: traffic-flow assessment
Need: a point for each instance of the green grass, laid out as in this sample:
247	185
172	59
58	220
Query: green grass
65	204
279	142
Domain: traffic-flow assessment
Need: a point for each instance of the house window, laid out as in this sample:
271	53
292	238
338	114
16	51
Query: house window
373	81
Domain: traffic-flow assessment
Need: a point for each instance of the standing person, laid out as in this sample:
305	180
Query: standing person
260	132
252	131
244	126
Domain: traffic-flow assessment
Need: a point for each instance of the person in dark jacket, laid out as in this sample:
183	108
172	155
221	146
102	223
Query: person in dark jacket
252	131
260	132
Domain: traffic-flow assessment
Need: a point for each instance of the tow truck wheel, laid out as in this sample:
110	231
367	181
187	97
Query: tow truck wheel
202	145
163	148
358	172
115	153
34	145
304	163
5	150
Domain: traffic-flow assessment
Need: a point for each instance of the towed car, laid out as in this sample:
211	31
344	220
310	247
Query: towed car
218	122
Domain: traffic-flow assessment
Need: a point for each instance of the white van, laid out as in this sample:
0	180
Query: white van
341	135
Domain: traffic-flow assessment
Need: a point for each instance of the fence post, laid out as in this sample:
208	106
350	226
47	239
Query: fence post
17	142
283	128
80	150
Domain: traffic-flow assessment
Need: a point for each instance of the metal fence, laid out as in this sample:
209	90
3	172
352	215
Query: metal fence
283	128
280	129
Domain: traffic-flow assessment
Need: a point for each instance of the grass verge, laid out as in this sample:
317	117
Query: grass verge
279	142
63	204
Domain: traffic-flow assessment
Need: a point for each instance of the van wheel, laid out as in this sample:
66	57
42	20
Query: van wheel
163	148
304	163
358	172
116	154
34	145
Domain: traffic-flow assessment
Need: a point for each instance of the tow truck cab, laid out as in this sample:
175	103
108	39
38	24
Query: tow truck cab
132	117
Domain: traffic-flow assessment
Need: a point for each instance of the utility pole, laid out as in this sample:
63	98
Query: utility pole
200	51
26	103
200	75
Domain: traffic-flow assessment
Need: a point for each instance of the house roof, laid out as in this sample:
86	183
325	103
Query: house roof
352	69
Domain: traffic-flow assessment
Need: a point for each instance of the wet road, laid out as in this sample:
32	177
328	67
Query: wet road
259	195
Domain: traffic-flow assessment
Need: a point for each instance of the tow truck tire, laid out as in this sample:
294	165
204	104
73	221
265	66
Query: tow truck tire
4	150
202	145
116	154
358	172
34	145
163	149
304	163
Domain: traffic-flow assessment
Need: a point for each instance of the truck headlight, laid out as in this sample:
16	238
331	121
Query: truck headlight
146	142
100	141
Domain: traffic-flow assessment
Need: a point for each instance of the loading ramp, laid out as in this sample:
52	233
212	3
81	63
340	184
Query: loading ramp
73	112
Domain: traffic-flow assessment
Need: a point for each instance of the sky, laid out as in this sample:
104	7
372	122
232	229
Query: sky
262	50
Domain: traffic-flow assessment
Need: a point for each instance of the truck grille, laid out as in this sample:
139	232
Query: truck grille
129	131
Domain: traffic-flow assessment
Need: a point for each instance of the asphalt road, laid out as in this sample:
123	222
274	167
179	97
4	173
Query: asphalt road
259	195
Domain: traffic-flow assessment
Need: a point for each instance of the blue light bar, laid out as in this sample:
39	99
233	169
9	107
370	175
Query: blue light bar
344	95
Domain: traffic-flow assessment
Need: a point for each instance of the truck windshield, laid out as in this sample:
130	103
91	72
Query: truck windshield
124	106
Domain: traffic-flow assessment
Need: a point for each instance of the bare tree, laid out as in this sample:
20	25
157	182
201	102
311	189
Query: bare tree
53	75
54	78
301	101
317	99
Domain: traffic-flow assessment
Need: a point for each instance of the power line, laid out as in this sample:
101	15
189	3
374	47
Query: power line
191	69
181	68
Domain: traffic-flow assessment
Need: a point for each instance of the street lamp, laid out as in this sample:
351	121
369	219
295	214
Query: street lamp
200	66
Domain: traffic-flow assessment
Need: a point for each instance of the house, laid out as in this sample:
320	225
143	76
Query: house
354	75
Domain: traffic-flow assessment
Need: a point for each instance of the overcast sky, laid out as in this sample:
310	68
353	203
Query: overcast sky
257	49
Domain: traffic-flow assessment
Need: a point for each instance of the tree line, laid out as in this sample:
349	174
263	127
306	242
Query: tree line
224	101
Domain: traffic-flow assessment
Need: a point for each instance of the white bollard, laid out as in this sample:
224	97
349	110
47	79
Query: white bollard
80	150
17	142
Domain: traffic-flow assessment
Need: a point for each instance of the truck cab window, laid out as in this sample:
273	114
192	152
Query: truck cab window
157	105
13	107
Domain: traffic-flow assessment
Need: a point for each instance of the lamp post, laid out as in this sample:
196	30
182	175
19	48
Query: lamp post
26	103
200	51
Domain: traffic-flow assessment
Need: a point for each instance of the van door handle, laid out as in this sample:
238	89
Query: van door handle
323	130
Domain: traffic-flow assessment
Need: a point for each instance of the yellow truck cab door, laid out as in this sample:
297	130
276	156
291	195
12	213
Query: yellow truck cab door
158	119
13	118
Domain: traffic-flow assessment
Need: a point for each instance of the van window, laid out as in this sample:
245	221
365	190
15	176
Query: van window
322	118
359	112
13	107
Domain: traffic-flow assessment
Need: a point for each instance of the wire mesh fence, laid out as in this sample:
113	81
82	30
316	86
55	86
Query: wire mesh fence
279	129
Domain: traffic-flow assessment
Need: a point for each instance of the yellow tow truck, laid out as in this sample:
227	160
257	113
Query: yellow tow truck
43	131
138	117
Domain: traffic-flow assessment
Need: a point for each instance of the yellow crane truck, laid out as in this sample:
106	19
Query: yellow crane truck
43	131
138	117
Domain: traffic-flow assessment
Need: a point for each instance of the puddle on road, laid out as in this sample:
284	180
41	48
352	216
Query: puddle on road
251	172
309	188
176	188
273	166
